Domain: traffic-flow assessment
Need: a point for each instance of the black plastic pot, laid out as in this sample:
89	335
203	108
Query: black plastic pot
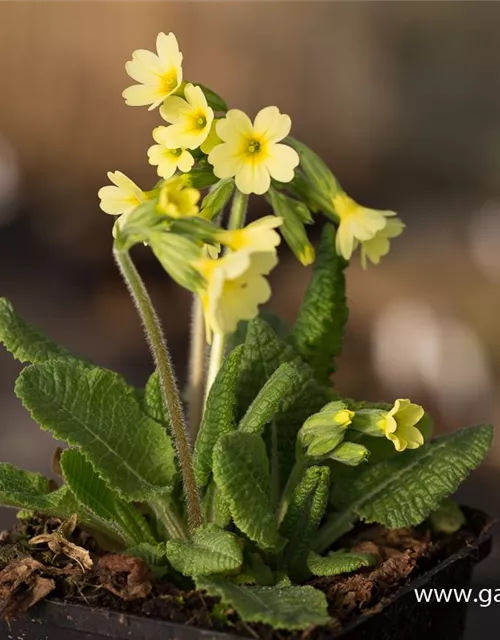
399	617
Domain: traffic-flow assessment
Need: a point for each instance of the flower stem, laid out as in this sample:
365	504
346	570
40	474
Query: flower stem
170	393
196	368
236	221
293	480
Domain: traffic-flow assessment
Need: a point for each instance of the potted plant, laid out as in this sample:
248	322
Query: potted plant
253	505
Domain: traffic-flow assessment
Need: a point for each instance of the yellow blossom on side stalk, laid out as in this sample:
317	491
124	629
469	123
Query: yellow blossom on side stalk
123	197
398	425
168	160
379	245
159	75
356	223
235	286
178	200
250	151
191	119
257	236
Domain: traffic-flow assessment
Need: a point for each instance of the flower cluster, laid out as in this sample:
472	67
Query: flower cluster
323	435
203	144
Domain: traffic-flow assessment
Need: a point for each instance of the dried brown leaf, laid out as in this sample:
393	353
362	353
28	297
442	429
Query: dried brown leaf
127	577
22	586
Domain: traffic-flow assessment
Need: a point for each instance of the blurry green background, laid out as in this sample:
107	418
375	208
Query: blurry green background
402	100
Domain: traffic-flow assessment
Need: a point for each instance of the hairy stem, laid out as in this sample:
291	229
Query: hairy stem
170	393
196	368
236	221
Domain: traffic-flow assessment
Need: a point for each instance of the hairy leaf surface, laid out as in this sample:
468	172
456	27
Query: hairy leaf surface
338	562
96	410
220	415
241	473
282	607
24	342
319	329
212	551
304	515
277	394
401	491
104	504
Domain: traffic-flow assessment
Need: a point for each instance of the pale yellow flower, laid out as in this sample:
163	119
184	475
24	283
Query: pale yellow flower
158	75
356	223
379	245
177	200
212	139
257	236
235	287
122	198
250	151
191	119
167	159
399	423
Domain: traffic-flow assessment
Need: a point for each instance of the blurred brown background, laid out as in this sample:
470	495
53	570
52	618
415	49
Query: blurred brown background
403	101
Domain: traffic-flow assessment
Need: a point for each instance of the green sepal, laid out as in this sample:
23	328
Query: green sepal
215	201
293	213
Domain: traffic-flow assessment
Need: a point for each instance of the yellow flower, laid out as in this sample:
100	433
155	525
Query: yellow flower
168	160
212	139
191	119
399	423
122	198
251	153
178	201
356	223
158	75
379	245
235	286
257	236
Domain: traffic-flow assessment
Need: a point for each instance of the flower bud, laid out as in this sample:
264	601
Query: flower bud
350	453
322	432
294	214
216	200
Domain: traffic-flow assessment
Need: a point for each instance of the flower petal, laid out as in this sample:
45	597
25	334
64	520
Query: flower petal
272	125
139	95
174	109
226	160
235	125
168	51
253	177
281	162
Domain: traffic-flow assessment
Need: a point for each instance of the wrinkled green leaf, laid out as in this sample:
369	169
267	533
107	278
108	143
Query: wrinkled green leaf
277	394
154	555
104	504
212	551
401	491
96	410
241	473
303	516
319	329
24	342
220	415
338	562
281	607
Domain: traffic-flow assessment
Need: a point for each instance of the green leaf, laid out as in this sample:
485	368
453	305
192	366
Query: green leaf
153	404
96	410
276	395
215	201
24	342
214	100
241	473
154	555
104	504
212	551
403	490
220	415
318	331
263	354
338	562
303	516
281	607
277	324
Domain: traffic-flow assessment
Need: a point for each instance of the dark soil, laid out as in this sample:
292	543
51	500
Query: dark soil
43	558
